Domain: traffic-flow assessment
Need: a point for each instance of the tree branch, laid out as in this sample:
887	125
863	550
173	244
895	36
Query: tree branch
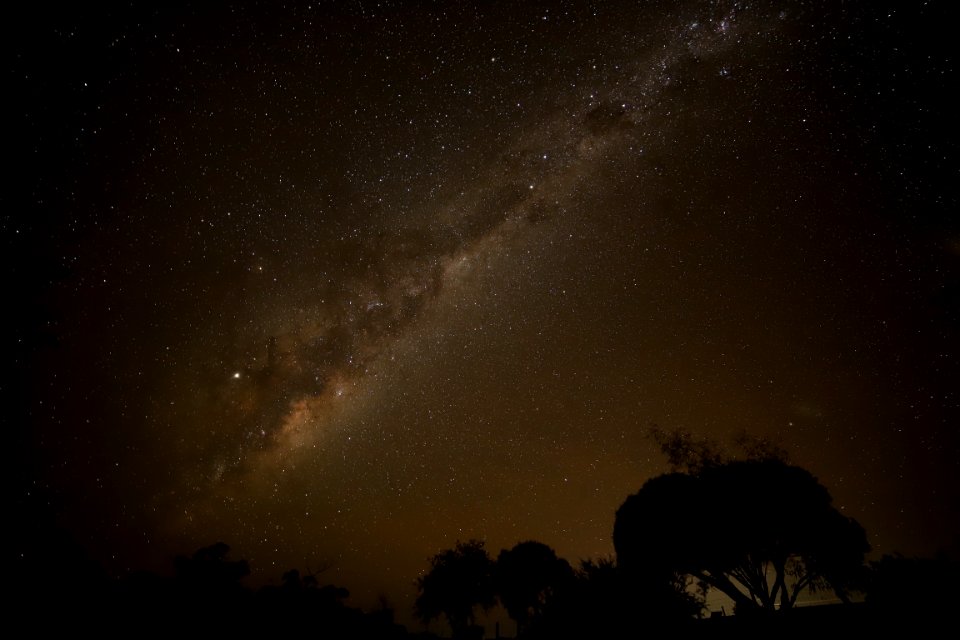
723	584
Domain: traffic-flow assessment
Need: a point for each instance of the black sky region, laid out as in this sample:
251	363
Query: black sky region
343	283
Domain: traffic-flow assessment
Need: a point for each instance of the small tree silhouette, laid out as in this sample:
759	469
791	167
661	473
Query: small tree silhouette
526	577
459	580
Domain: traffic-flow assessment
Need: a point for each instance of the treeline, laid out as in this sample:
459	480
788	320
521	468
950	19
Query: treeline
747	524
547	597
207	588
752	526
544	595
204	593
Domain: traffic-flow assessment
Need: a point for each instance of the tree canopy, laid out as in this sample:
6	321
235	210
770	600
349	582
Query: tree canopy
526	577
209	573
459	580
759	530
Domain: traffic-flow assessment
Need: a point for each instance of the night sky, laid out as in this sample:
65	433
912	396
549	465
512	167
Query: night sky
340	284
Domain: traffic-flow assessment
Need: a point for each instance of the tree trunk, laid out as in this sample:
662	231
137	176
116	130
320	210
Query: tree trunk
781	585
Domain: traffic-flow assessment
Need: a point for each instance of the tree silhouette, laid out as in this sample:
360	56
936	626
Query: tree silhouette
304	592
760	531
602	601
526	577
594	605
916	588
684	452
209	575
689	454
459	580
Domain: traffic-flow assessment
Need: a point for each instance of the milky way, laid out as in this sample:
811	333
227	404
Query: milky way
342	285
308	364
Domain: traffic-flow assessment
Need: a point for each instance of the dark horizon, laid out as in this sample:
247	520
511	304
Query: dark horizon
341	284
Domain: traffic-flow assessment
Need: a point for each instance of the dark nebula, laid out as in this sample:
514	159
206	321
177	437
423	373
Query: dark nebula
343	283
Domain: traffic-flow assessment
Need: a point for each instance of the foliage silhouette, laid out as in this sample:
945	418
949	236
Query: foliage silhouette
604	601
459	580
689	454
760	531
527	577
919	588
209	572
685	453
206	594
298	594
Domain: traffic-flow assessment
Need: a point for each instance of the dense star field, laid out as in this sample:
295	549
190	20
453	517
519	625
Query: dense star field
342	283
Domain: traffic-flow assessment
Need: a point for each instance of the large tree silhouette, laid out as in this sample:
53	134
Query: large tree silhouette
459	580
527	577
761	531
